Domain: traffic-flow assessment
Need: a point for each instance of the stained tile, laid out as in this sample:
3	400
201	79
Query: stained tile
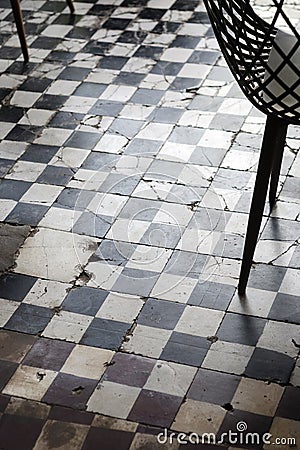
67	325
29	382
155	408
270	365
27	408
114	424
34	84
143	341
129	369
280	337
69	390
201	417
170	378
284	428
48	354
129	79
87	362
51	102
57	433
69	249
14	346
257	397
49	294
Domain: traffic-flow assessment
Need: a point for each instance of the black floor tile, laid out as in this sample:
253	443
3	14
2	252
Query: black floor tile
29	319
15	286
27	214
241	329
84	300
270	366
59	176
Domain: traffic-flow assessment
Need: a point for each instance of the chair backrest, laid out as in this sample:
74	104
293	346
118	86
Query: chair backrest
247	41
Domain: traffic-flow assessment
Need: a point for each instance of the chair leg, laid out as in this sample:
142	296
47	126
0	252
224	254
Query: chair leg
272	131
71	6
279	142
15	4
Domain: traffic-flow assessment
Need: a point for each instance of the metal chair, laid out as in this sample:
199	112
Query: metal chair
265	62
15	5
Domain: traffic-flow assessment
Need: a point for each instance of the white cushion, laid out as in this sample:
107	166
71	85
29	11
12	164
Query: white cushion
285	42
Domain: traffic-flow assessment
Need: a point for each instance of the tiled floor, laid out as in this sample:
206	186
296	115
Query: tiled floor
130	152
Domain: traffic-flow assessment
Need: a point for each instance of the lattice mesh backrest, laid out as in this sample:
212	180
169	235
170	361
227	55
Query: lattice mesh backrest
267	70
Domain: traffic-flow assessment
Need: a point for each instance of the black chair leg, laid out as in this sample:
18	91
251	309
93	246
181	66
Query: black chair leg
273	136
279	142
15	5
71	6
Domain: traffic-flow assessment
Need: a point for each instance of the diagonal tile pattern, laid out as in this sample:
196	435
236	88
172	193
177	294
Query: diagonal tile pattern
129	151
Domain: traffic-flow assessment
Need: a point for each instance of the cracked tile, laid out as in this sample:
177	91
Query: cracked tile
61	258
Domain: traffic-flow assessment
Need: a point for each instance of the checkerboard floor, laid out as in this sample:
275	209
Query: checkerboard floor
129	151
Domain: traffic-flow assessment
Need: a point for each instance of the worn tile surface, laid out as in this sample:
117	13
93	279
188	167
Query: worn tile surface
127	160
